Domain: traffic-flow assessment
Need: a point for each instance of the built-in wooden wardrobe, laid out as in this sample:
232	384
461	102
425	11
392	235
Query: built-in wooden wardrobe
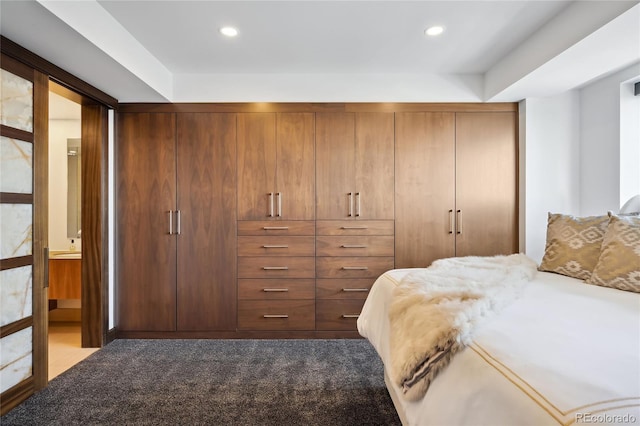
456	176
276	228
252	220
355	210
176	250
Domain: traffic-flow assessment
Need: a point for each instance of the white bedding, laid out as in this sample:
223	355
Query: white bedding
564	353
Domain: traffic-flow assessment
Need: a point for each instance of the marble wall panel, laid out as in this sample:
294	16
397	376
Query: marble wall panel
15	294
16	227
16	101
16	166
15	358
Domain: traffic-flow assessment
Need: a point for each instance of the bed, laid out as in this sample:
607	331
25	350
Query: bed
564	352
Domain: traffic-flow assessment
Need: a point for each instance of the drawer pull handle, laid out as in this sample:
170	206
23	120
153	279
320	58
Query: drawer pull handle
354	227
275	268
274	290
355	289
355	268
275	246
275	316
275	228
350	315
353	246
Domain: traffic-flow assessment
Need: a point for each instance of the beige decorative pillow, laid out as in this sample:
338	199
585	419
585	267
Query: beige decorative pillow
619	262
573	244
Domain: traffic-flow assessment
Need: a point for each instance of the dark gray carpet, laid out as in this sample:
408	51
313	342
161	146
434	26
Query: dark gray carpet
217	382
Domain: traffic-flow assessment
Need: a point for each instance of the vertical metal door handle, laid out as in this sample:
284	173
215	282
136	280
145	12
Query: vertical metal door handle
46	268
279	195
350	204
179	216
458	222
451	221
170	222
270	204
357	204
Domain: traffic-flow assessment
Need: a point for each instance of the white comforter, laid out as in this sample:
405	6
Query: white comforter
565	353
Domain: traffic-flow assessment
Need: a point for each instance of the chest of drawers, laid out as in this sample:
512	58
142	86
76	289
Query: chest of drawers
350	255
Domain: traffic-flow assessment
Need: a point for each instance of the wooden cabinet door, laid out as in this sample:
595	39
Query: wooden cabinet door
206	295
256	166
425	188
295	177
486	176
374	166
335	159
146	193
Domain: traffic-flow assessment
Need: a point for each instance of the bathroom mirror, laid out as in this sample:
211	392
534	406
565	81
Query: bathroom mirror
74	213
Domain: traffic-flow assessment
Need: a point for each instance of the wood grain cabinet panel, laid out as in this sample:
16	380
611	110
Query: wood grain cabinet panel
352	267
146	190
378	245
338	314
269	289
284	227
425	188
276	267
206	175
354	288
276	246
276	314
348	227
486	177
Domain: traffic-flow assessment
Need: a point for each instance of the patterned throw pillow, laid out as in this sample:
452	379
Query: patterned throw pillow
573	244
619	263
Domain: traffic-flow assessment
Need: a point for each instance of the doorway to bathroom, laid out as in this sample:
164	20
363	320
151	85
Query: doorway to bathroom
77	294
65	231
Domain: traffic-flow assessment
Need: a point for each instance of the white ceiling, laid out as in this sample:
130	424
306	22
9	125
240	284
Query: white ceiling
323	51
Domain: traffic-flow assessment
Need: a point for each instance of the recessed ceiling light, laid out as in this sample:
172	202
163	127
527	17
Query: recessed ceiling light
229	31
434	31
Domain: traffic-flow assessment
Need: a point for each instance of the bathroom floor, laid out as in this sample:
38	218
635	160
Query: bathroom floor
65	347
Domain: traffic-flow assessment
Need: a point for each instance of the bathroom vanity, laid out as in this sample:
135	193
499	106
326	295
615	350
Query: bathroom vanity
65	276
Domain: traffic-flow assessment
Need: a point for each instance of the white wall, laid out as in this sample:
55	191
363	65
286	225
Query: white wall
600	143
629	141
550	157
59	132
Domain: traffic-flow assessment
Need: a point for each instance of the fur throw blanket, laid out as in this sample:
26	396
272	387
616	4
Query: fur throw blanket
435	311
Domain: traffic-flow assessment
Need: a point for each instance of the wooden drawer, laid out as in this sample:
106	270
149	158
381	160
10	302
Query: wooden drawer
276	267
338	314
348	245
358	288
355	227
269	289
276	314
276	227
275	246
352	267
